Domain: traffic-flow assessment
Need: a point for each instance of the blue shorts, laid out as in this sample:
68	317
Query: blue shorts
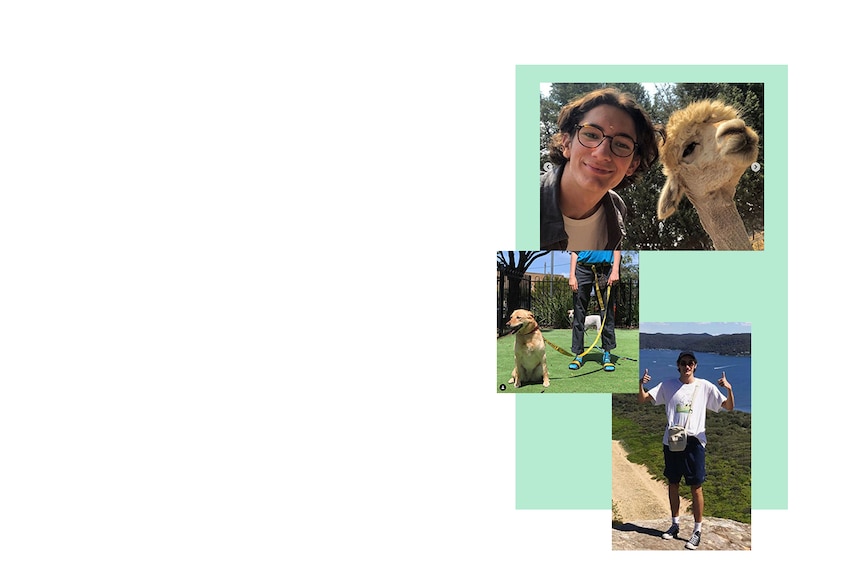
690	463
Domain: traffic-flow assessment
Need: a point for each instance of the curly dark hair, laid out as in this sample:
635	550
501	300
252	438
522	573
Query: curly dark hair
572	113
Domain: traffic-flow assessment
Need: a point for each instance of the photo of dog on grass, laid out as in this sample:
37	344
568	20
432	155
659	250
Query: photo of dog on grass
531	364
534	328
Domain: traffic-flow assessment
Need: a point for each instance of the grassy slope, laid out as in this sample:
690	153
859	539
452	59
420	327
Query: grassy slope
727	490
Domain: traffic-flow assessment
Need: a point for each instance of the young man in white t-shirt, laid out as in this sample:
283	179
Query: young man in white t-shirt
686	400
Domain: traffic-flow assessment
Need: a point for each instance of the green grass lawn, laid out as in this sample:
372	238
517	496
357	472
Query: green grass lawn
590	378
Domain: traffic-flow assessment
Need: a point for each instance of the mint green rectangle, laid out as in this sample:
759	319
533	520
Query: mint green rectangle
563	451
677	286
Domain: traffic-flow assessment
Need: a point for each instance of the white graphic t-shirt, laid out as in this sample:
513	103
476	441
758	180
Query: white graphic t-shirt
587	234
688	402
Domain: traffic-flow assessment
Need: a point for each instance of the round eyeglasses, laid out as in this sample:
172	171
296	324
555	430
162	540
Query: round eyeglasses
592	137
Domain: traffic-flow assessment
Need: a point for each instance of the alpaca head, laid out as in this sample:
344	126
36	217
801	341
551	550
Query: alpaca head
707	149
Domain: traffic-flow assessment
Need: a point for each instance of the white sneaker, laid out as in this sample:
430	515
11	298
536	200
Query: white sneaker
694	541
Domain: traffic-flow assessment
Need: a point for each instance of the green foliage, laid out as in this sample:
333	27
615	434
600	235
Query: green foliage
727	490
628	268
683	229
552	300
552	297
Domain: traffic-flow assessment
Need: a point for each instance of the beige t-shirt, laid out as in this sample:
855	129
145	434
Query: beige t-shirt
587	234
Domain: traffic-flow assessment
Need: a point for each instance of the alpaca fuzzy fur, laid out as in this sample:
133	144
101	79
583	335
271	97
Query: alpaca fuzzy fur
706	150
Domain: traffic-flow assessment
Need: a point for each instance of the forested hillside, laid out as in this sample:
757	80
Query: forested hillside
731	344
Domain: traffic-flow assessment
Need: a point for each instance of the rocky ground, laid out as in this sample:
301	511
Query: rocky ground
641	514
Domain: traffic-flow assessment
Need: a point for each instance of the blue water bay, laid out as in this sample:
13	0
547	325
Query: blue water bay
661	364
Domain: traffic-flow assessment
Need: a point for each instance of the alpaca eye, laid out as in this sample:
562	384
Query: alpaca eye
689	149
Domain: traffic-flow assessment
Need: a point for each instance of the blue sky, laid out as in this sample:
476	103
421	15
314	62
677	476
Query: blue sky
712	328
560	262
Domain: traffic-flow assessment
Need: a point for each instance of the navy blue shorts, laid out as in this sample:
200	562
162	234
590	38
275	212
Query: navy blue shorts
690	463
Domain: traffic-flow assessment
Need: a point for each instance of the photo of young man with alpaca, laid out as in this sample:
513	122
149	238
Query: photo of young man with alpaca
651	166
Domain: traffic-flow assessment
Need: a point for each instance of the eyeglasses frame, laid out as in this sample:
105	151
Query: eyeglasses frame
604	137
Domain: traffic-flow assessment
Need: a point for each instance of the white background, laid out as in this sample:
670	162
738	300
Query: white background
243	250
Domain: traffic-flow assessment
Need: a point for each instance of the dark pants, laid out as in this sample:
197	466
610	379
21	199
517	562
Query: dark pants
586	282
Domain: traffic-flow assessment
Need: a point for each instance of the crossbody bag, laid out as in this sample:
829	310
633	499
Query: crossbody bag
677	435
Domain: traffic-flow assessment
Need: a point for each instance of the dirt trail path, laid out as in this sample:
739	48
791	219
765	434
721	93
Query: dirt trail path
635	493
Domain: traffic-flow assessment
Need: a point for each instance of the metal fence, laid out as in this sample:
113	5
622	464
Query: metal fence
550	298
513	292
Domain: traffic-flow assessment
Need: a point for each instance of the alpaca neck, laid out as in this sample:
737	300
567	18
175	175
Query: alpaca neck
721	219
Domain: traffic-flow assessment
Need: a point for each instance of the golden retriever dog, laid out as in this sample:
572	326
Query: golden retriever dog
531	365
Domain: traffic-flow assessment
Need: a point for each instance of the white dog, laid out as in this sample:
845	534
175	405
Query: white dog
590	322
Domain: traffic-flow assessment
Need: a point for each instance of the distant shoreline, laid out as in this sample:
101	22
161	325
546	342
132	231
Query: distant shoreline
736	344
740	354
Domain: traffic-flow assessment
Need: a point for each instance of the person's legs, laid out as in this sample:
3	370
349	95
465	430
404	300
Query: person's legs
609	336
673	473
580	303
697	511
696	502
673	498
695	475
696	461
578	315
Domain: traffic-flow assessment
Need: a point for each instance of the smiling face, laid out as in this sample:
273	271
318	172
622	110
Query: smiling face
594	171
686	366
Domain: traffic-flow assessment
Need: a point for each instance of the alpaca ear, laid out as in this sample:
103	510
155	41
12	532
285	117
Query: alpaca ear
669	197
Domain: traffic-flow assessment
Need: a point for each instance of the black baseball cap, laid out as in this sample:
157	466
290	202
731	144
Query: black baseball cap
685	353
